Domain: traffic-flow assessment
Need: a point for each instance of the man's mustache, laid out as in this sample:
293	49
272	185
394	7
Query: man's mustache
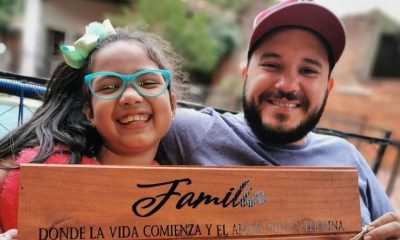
290	96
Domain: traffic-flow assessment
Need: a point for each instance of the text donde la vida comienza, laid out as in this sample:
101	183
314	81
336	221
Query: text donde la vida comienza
189	230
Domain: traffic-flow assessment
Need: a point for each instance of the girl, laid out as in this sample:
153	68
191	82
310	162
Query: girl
110	102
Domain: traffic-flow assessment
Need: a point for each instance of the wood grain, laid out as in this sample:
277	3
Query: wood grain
104	202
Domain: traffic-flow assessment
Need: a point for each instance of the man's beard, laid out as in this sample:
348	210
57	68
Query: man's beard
269	134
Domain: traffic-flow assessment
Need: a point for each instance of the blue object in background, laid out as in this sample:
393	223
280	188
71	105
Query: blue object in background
14	113
9	116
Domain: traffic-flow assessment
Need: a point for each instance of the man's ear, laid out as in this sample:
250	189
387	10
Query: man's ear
331	83
244	72
172	99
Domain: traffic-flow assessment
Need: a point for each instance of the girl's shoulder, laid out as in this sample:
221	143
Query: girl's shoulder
5	163
27	155
3	174
60	156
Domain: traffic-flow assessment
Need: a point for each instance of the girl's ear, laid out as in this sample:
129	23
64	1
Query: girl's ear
88	112
172	100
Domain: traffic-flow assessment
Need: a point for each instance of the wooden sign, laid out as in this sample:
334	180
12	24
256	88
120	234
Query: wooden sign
111	202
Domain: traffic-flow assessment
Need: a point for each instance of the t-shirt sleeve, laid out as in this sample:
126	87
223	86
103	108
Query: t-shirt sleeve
373	200
371	192
186	133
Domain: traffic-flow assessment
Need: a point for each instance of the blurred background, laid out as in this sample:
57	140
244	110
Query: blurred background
212	36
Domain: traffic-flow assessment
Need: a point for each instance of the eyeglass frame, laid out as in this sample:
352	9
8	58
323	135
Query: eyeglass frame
129	78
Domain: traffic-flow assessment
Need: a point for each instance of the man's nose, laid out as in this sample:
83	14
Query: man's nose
288	82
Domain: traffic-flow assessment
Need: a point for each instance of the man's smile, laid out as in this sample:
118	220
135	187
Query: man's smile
283	104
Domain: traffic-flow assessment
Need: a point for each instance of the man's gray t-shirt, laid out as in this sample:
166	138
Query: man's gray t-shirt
208	138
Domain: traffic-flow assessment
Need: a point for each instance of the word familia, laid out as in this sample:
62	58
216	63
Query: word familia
241	197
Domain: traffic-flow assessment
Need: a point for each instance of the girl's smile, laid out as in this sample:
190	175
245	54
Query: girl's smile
130	124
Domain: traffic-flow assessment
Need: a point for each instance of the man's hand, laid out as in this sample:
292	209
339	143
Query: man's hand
385	227
9	235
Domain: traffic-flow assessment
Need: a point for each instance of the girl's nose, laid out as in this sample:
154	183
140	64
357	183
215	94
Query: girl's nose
130	96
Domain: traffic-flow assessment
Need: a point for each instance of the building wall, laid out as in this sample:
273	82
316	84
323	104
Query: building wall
72	16
356	93
360	103
68	17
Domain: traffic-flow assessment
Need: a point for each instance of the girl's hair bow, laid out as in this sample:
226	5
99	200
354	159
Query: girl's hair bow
75	55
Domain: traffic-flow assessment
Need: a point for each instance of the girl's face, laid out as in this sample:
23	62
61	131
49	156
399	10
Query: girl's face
130	124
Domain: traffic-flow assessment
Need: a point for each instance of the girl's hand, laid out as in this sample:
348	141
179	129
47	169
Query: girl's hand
9	235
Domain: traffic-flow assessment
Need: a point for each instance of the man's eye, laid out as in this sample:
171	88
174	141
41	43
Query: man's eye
308	71
270	66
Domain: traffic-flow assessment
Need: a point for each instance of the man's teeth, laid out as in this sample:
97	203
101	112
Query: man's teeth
135	118
284	105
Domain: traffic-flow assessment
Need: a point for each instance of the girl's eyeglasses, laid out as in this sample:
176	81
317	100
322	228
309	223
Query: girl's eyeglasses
111	85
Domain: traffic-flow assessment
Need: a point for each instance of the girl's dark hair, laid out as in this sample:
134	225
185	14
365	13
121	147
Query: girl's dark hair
60	121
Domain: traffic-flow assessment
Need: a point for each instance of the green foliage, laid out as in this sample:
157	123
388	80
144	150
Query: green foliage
8	9
201	38
227	34
234	5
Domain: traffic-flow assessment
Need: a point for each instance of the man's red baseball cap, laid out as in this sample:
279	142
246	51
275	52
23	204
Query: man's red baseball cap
303	14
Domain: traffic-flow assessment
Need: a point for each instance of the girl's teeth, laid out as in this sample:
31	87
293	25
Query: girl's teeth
135	118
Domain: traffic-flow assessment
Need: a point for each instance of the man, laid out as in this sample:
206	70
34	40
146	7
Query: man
293	49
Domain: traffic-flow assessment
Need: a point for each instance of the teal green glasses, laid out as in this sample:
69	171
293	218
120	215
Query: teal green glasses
111	85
